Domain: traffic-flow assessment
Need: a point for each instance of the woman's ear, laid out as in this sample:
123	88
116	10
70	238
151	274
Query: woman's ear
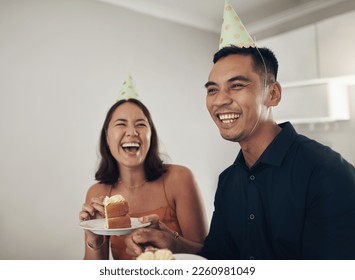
274	96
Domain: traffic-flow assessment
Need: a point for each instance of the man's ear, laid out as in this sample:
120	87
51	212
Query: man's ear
274	94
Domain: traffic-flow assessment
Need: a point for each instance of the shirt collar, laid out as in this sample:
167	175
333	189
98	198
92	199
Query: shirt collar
276	151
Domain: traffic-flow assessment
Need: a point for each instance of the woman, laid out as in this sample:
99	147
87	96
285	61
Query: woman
131	166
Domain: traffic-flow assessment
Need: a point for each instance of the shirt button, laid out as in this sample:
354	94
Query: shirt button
252	177
251	217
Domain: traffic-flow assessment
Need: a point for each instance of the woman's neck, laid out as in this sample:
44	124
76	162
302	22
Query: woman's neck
131	177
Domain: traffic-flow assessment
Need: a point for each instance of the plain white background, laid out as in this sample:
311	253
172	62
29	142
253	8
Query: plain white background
62	64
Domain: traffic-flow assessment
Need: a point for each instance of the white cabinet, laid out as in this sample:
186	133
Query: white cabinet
314	101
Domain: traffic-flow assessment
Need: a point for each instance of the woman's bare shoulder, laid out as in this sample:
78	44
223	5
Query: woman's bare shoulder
98	189
180	177
176	171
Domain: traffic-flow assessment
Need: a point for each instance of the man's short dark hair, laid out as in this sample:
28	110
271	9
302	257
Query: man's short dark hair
262	57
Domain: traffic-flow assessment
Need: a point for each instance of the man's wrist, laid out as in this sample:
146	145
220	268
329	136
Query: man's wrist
182	245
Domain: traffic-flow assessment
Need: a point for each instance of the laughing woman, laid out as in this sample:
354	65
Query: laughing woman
130	165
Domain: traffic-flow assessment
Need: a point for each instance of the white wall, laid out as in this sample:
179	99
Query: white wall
323	50
62	64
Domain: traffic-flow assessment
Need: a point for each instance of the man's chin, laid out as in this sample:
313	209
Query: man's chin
229	137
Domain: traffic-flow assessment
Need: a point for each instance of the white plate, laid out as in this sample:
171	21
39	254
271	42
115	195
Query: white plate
188	257
98	226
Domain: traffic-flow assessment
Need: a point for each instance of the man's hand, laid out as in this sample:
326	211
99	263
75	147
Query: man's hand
157	235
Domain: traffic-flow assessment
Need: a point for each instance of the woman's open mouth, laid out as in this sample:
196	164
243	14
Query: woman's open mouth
130	147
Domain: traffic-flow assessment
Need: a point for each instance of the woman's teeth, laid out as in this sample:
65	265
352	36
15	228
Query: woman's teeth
131	147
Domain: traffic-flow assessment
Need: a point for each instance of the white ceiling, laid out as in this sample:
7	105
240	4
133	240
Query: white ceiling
262	18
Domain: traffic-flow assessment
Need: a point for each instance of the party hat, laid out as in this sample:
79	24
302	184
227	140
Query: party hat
233	31
128	90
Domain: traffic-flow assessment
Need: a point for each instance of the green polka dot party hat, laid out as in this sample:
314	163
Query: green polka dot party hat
233	32
128	90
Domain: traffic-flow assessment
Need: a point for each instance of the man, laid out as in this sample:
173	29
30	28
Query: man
286	196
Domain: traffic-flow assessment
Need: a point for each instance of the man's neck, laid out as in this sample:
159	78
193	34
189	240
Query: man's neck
256	144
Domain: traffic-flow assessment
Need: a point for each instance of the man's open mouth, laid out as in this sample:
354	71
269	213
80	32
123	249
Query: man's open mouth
228	118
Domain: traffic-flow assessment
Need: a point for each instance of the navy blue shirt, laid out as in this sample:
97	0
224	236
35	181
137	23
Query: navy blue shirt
296	202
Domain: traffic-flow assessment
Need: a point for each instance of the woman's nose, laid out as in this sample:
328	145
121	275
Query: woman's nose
131	131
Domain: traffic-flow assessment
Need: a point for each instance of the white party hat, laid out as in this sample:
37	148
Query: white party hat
233	31
128	90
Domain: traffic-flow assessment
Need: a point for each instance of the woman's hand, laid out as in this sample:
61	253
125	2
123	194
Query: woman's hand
93	210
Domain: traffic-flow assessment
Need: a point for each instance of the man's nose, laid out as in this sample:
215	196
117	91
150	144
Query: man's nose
223	97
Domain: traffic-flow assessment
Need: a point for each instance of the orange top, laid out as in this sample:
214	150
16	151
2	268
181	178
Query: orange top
166	214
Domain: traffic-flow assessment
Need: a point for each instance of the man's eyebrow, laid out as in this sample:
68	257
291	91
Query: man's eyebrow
239	78
233	79
209	83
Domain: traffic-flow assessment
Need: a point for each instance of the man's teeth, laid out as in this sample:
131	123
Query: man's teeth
228	118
